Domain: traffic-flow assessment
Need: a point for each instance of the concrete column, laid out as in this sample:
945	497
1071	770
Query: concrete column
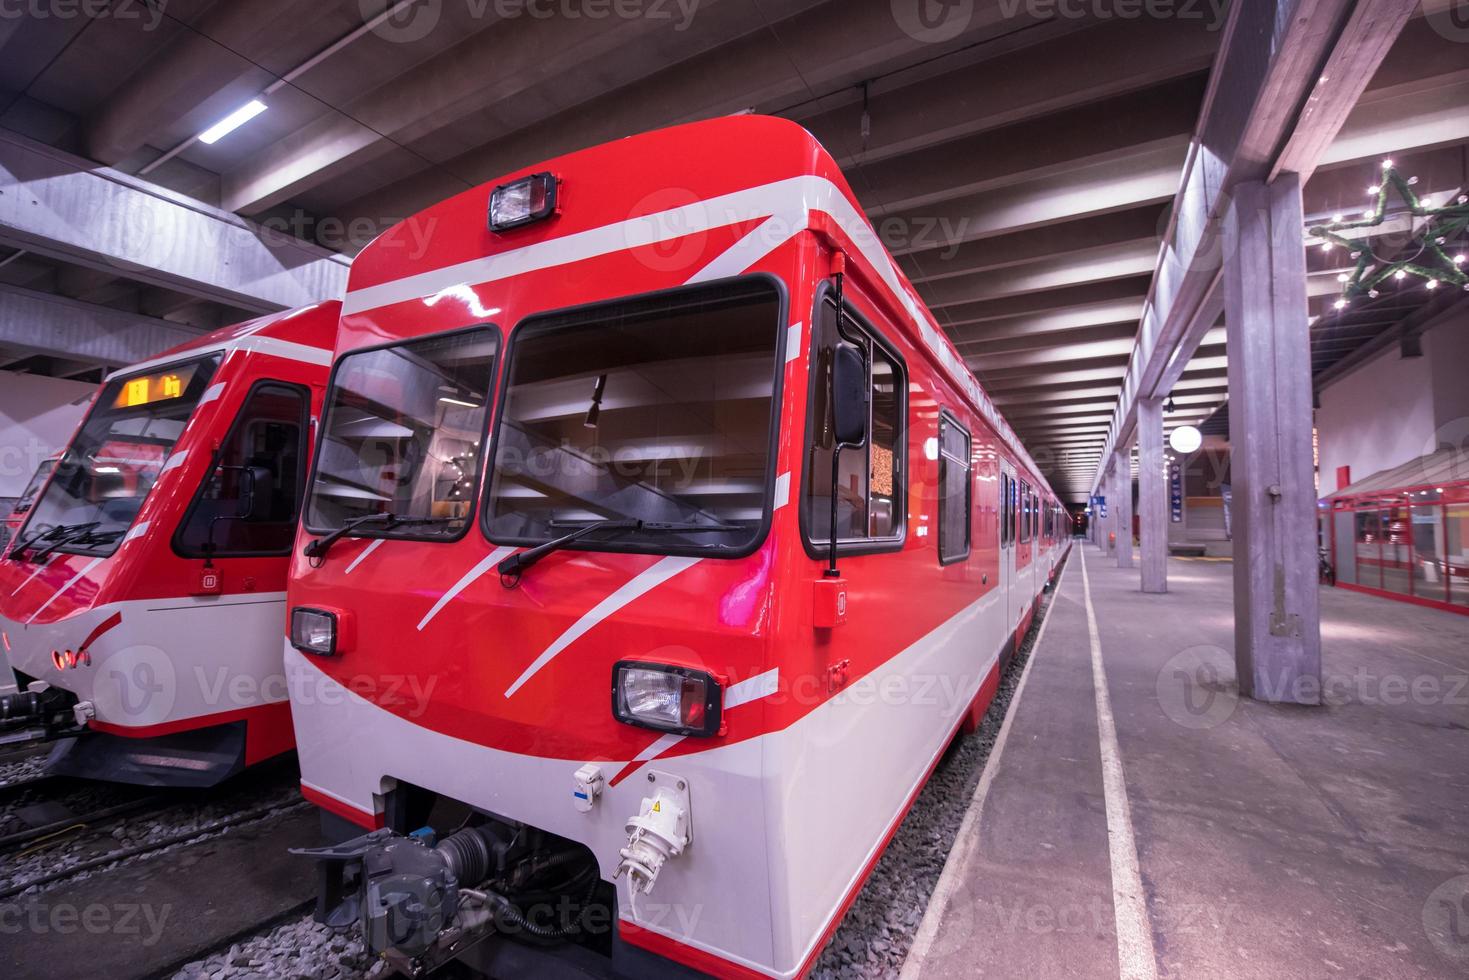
1124	507
1152	494
1277	619
1109	526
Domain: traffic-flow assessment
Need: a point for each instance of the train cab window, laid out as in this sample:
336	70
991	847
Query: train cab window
100	484
402	434
870	480
259	468
658	409
954	490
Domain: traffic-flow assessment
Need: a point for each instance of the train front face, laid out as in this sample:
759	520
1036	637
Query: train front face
114	628
567	493
590	636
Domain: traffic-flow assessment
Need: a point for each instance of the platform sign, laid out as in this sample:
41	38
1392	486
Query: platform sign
1099	505
1175	493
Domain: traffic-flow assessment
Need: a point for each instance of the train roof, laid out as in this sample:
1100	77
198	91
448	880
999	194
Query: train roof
761	172
295	333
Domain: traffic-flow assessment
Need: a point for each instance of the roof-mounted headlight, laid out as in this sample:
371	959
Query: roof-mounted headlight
522	201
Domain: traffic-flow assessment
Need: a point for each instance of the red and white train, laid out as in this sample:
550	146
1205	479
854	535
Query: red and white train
142	603
566	584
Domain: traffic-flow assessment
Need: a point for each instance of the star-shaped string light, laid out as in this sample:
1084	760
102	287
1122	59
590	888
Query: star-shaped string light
1424	256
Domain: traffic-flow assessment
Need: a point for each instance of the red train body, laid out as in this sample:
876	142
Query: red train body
639	367
141	605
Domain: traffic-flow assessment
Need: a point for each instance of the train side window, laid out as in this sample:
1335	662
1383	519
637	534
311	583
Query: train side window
955	487
1024	512
1004	510
266	441
870	481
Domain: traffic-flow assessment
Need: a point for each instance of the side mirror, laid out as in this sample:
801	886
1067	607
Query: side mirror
848	396
256	486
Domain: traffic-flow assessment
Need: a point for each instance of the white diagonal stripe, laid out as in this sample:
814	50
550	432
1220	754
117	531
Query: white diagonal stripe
174	461
793	341
490	561
782	490
752	689
757	243
658	748
72	581
373	546
654	576
41	567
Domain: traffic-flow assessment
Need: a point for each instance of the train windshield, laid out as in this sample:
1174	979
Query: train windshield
106	473
657	410
27	499
402	436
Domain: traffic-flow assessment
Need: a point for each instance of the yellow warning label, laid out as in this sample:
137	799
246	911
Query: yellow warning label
657	806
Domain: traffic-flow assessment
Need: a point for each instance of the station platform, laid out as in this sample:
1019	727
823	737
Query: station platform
1167	828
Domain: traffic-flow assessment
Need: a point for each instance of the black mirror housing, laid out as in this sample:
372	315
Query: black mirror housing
848	395
256	486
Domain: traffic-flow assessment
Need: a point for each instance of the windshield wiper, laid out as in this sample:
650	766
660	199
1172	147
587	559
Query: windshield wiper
58	533
319	547
517	563
79	535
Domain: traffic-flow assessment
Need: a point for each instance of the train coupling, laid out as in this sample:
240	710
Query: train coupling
42	713
421	901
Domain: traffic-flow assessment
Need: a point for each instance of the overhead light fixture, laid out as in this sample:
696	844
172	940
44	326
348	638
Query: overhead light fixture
232	122
1185	439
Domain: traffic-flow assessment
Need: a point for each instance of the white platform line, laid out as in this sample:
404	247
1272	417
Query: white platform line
1135	956
951	879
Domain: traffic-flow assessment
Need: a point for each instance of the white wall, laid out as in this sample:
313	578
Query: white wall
36	419
1394	409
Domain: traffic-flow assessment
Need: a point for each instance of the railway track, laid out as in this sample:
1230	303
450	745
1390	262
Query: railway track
150	903
48	833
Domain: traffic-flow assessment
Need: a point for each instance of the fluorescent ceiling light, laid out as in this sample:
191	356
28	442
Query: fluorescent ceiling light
232	122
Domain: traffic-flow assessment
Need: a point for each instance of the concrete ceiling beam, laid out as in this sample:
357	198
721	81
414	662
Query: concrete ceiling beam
60	206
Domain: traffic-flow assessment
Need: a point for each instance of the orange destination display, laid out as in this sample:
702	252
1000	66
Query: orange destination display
149	388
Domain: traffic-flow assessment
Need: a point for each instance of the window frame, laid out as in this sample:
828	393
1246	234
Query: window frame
947	417
818	546
123	376
1004	509
492	439
1023	501
303	458
322	428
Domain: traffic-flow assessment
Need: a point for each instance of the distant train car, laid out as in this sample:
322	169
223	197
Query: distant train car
24	502
659	535
142	602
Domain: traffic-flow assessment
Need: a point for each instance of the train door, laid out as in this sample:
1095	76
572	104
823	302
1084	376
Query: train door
246	506
1008	497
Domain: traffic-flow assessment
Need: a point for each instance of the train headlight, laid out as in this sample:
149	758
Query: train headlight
314	631
522	201
666	698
